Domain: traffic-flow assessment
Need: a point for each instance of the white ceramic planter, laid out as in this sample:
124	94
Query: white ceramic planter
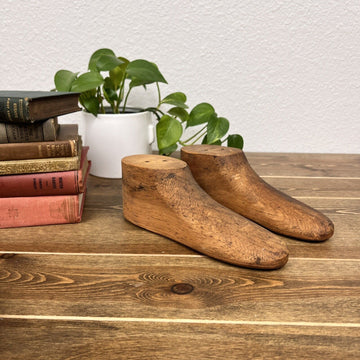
111	137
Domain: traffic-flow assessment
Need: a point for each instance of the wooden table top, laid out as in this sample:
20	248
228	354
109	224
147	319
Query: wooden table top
106	289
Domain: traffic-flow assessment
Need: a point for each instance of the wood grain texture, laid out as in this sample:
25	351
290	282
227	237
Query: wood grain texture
141	287
304	165
126	340
226	175
312	165
104	288
317	187
104	230
160	195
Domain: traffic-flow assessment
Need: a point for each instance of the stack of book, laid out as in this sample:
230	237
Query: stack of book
43	164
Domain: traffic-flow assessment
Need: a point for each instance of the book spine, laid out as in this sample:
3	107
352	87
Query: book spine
19	133
14	109
42	210
42	184
39	165
50	129
14	167
38	150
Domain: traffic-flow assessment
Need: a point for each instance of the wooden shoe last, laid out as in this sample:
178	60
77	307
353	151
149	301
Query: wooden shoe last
161	195
225	174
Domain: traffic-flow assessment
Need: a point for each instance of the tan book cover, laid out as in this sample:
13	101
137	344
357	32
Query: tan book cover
64	146
8	167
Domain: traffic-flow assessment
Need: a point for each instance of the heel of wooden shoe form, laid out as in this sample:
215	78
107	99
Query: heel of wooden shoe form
160	195
225	174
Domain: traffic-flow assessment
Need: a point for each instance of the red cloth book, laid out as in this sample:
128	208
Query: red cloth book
19	211
43	184
41	210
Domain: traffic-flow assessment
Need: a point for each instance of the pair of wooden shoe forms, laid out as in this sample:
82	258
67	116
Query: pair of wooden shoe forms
213	202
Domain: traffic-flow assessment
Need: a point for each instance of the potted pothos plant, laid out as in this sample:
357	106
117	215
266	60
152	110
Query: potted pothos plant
105	89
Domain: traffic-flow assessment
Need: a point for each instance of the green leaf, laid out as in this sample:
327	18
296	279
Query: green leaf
107	62
110	95
124	60
143	72
63	80
169	150
178	99
200	114
108	84
180	113
87	81
235	141
95	57
90	103
168	131
217	127
205	141
117	74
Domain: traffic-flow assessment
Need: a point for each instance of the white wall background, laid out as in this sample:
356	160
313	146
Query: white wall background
285	73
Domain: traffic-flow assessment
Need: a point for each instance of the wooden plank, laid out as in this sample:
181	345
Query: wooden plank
62	339
99	232
305	290
301	164
317	187
107	232
343	245
286	164
105	288
108	196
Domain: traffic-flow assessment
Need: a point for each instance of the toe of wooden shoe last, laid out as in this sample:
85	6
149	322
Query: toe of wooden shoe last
161	195
225	174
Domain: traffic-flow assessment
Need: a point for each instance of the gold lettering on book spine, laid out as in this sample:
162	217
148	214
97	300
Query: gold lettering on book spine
21	108
8	113
54	150
15	109
37	165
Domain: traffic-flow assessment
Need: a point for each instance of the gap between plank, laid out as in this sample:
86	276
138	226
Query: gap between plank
310	177
147	255
181	321
99	254
326	197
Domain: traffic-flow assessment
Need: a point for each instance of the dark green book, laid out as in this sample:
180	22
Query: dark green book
32	106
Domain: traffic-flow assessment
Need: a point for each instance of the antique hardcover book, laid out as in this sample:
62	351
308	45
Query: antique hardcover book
65	145
51	183
46	130
9	167
31	106
41	210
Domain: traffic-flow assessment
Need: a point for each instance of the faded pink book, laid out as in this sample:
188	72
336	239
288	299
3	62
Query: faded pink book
41	210
44	184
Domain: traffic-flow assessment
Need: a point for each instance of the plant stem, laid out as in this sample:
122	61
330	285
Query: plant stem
121	91
101	100
159	95
126	99
155	111
193	136
198	138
